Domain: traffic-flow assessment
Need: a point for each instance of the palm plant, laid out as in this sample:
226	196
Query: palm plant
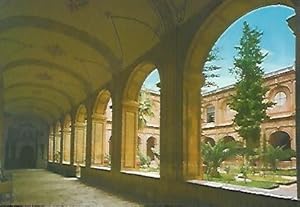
145	109
214	155
272	155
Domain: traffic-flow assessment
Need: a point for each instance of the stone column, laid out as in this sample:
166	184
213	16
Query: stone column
192	164
1	121
53	147
50	146
116	131
129	139
297	32
88	137
61	144
72	141
98	139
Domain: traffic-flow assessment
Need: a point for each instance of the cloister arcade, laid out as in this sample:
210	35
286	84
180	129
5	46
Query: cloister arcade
82	58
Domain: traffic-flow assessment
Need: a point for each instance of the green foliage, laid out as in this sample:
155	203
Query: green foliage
249	99
107	159
214	155
156	153
210	69
145	109
144	160
57	156
272	155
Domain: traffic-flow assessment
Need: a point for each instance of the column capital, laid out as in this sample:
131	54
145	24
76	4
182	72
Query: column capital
98	117
131	105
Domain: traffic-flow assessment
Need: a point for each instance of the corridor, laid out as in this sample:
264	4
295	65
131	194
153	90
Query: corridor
40	187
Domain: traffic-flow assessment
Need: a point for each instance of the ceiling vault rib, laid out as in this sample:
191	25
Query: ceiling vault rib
67	30
51	66
37	99
65	94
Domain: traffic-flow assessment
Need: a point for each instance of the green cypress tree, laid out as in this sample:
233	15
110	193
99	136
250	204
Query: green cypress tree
249	99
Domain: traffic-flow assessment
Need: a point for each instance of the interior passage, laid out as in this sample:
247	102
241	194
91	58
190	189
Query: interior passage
41	187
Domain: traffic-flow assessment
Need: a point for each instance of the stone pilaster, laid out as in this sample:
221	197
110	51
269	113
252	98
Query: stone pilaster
80	144
66	145
129	139
98	139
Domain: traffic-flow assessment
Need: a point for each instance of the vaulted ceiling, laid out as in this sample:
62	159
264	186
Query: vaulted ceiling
55	53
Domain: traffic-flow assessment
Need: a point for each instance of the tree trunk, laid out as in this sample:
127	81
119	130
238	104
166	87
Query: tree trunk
252	143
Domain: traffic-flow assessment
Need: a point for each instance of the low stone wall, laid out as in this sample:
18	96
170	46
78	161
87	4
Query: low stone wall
155	191
63	169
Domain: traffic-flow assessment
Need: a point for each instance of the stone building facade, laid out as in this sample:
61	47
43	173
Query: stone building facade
278	130
217	117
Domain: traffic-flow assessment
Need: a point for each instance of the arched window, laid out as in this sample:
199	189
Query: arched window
280	98
280	139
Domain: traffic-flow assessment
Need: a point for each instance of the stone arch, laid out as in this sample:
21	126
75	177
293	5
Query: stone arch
151	143
130	113
67	139
215	24
80	135
99	128
201	43
280	139
228	138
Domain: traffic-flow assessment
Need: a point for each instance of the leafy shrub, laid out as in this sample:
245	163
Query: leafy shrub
214	155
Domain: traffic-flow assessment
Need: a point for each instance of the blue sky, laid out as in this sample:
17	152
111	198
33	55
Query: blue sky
278	40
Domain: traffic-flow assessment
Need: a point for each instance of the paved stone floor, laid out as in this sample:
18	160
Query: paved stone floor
40	187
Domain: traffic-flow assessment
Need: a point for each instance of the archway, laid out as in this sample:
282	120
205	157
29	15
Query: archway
27	158
102	121
151	142
80	136
204	39
280	139
141	111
